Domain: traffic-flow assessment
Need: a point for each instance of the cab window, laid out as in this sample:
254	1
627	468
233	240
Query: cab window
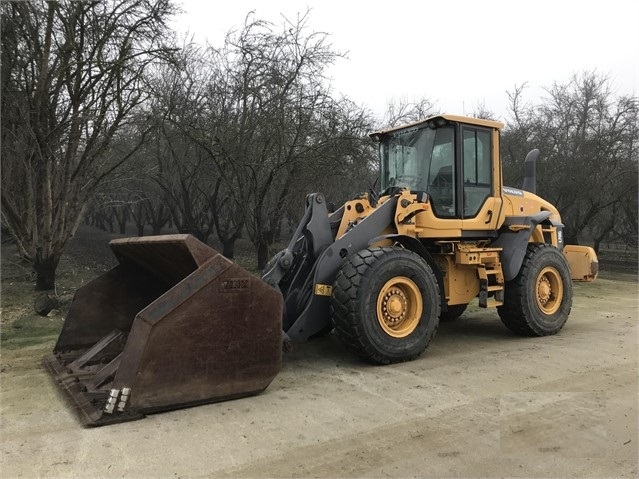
477	169
441	174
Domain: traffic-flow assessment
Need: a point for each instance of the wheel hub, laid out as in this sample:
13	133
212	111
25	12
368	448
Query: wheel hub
394	306
544	290
549	290
399	307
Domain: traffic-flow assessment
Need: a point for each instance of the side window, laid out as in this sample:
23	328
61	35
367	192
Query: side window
441	174
477	169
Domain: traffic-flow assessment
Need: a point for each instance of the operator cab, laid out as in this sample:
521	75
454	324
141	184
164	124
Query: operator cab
449	157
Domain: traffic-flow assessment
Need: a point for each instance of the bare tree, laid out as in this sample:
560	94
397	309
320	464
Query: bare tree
518	137
122	215
588	139
185	180
283	130
400	112
72	77
347	162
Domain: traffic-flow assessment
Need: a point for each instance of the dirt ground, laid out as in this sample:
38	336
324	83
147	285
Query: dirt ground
480	402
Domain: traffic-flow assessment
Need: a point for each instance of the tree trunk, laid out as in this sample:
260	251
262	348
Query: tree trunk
598	239
45	271
139	218
197	232
597	245
121	214
157	217
228	248
262	254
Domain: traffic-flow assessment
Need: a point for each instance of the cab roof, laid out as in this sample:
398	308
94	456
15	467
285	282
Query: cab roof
456	118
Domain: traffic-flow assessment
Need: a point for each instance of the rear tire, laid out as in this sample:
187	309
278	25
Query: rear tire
385	304
538	300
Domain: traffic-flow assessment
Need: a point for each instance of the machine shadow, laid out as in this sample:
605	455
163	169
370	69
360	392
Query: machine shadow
472	331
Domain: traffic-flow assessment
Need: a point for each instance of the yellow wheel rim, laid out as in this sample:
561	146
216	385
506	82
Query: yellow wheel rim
399	307
549	290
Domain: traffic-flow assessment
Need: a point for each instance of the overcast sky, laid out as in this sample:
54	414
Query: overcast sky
459	54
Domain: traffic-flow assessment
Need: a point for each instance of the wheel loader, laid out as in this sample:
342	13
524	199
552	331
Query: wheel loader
176	324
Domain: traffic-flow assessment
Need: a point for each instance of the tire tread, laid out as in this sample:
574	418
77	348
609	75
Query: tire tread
513	313
345	300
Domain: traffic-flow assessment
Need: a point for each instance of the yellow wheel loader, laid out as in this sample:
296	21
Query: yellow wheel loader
176	324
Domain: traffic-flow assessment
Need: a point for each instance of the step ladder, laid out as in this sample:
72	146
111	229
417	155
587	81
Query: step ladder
488	265
485	271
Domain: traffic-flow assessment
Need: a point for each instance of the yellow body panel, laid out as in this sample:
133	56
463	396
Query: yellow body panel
527	204
430	226
354	210
583	262
524	203
488	217
497	125
461	284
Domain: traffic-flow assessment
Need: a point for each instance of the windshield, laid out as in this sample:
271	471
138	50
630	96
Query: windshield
417	158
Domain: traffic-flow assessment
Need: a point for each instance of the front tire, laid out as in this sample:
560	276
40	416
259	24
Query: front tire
385	304
538	300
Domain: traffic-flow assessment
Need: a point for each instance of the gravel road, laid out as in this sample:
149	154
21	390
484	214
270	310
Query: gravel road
480	402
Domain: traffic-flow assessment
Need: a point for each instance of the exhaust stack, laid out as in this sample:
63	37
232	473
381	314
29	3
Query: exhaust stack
530	176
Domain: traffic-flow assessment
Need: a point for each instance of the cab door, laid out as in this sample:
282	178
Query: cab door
480	180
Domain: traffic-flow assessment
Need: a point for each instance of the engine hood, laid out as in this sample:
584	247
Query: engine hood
523	203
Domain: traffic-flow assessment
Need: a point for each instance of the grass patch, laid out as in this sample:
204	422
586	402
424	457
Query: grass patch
30	330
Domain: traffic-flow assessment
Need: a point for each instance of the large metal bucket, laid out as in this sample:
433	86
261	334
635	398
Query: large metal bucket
174	324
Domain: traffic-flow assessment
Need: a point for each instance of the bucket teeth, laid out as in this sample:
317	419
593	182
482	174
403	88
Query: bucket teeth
112	401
